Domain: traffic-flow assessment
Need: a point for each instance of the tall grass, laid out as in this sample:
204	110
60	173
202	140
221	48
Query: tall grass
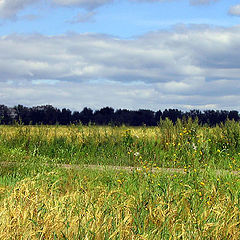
107	205
41	201
185	143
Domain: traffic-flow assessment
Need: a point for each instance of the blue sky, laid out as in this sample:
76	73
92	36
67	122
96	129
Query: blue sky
123	18
120	53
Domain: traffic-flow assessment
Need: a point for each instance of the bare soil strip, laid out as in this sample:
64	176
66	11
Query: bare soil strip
122	168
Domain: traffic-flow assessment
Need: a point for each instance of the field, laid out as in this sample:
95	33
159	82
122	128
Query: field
198	199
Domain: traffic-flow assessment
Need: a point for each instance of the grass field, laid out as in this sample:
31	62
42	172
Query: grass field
39	200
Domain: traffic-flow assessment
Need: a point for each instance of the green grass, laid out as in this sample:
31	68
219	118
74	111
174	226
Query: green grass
41	201
168	145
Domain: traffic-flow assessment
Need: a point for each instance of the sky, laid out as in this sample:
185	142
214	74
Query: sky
133	54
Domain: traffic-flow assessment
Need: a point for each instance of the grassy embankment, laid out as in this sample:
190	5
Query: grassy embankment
40	201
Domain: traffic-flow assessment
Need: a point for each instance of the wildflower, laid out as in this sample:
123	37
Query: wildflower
200	194
194	146
136	154
202	183
119	181
218	151
195	170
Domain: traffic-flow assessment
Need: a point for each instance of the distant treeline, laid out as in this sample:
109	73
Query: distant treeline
50	115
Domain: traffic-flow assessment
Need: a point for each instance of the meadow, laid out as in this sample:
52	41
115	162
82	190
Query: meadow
41	199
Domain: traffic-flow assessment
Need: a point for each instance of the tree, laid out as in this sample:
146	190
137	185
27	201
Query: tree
86	116
5	115
104	116
65	117
22	114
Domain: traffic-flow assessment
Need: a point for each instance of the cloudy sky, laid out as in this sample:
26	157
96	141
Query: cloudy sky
152	54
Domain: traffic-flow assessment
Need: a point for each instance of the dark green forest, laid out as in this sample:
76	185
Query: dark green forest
49	115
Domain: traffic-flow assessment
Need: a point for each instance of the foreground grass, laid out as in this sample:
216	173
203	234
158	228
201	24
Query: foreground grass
91	204
40	201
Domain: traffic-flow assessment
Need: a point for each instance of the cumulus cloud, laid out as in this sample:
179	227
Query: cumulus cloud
190	53
234	10
182	66
77	95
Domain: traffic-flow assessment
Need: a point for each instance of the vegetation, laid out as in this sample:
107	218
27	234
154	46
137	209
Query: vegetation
48	115
42	200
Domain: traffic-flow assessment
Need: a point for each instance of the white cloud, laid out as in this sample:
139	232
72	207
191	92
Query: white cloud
87	4
234	10
96	95
154	57
200	2
10	8
83	18
30	17
188	67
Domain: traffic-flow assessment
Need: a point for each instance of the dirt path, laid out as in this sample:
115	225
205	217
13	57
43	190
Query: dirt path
130	169
122	168
119	168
